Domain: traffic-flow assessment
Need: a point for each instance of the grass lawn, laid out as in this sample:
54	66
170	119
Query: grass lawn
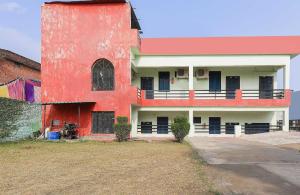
101	168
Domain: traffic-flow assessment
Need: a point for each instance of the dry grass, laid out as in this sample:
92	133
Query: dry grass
100	168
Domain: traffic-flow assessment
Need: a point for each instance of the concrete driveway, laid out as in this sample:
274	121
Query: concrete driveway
240	166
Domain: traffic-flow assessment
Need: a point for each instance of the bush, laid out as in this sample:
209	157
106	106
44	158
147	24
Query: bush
180	128
122	129
4	133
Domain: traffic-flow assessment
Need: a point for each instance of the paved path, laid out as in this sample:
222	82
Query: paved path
250	167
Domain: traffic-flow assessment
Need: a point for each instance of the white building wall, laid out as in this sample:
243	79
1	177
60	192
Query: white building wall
179	84
211	61
152	116
238	117
226	117
249	77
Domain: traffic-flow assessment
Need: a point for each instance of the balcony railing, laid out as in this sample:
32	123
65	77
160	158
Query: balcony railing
229	128
263	94
185	98
139	93
167	94
208	94
149	129
211	129
260	128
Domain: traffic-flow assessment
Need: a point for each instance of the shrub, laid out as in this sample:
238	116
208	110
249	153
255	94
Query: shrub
4	133
122	129
180	128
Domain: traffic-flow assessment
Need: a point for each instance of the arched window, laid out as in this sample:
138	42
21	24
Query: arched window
103	75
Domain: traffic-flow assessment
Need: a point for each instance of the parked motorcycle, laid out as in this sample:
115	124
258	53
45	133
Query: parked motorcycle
69	131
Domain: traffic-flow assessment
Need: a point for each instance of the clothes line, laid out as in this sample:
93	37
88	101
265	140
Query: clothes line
22	90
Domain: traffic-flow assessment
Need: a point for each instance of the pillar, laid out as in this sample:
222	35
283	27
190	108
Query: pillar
286	76
286	120
191	77
191	121
237	130
134	122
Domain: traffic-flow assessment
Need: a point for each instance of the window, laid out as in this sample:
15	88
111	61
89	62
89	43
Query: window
103	76
197	120
103	122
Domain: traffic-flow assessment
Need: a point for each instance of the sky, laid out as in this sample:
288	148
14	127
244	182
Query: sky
20	22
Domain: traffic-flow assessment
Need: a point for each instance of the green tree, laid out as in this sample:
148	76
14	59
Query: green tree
180	128
122	129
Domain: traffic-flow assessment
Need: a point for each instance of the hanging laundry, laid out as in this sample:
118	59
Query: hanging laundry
29	91
37	94
4	91
16	90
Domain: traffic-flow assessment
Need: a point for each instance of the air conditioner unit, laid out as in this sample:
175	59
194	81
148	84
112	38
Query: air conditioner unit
182	74
202	74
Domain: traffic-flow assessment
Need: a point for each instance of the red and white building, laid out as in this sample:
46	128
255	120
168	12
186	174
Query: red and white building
95	67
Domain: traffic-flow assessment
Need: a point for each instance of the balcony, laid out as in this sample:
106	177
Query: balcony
228	129
202	129
154	129
224	98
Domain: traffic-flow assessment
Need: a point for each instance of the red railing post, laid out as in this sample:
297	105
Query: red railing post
287	96
192	94
238	94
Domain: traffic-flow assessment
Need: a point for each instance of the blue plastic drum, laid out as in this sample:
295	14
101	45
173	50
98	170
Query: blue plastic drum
53	136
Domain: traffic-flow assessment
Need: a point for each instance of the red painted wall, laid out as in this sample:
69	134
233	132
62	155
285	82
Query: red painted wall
73	38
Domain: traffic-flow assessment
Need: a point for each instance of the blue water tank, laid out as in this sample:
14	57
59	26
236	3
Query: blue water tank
53	135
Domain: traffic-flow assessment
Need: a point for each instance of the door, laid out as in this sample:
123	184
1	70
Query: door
103	122
162	125
214	81
266	87
255	128
147	85
146	127
214	125
229	128
164	81
232	84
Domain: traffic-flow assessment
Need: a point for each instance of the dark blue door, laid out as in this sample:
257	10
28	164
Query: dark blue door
255	128
146	127
266	87
214	125
164	81
230	128
162	125
232	84
215	81
147	85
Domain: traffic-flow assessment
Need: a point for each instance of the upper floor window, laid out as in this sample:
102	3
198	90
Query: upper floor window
103	75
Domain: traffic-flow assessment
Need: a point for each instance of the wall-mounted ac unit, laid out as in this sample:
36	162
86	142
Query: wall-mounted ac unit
202	74
182	74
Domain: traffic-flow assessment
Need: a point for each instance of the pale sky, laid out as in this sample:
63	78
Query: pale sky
20	22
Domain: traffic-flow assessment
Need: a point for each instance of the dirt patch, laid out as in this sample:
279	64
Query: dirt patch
291	146
247	179
101	168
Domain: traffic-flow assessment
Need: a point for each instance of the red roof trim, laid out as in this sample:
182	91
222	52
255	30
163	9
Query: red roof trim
222	46
86	2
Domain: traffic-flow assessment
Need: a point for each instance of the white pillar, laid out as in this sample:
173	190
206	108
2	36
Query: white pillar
191	77
191	121
134	122
237	130
286	120
286	76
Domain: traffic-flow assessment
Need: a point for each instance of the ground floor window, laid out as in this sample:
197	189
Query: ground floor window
255	128
103	122
229	128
